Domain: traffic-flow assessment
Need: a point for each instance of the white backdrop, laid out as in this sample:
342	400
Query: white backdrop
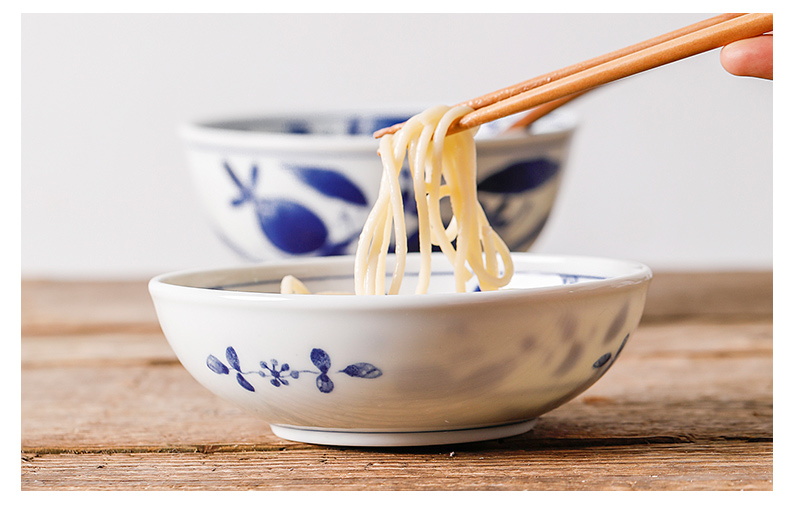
672	168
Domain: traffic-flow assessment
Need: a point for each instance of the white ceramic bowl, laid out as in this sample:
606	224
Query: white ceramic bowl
286	186
403	369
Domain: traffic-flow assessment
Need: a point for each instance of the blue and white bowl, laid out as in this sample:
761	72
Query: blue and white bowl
404	369
302	185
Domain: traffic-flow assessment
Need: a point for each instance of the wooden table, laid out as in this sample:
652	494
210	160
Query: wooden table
688	406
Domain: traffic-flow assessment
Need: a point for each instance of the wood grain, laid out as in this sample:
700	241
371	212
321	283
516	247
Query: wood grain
146	400
73	307
720	466
688	406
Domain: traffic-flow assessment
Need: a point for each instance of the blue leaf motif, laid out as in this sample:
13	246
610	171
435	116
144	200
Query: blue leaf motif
244	383
602	360
216	365
233	359
519	177
321	360
290	226
608	359
324	384
331	183
362	370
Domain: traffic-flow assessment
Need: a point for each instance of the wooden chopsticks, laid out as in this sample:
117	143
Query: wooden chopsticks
549	91
547	108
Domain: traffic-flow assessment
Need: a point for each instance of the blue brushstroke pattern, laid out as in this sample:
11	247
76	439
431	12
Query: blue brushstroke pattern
321	359
330	183
233	358
216	365
519	177
324	384
244	383
290	226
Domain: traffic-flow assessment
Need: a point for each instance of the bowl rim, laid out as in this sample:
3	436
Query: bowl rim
204	134
627	273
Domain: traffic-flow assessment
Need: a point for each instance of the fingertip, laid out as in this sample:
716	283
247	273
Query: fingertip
749	57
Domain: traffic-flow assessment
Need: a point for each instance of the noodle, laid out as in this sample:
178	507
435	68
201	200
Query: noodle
441	167
290	284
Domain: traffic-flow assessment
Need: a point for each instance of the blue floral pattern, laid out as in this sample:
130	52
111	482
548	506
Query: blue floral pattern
279	374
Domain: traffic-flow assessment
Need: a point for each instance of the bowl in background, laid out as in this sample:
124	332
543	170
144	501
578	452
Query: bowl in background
401	370
299	185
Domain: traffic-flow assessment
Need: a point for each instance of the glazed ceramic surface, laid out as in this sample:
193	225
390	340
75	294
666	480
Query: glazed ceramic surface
402	369
302	186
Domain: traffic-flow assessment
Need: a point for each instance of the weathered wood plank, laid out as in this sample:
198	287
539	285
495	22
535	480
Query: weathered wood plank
96	350
689	405
731	294
67	307
690	337
671	382
715	466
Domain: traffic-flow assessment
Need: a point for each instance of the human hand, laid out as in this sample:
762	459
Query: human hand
750	57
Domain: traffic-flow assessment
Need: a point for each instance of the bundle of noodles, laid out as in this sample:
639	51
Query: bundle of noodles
441	166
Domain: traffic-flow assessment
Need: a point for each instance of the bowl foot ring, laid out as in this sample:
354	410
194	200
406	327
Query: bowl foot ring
400	439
